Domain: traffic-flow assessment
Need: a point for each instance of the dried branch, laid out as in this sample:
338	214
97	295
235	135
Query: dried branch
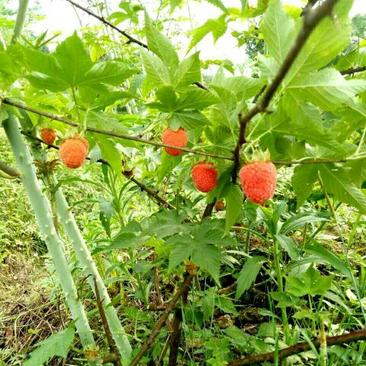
311	19
300	347
108	133
11	172
353	70
163	318
111	344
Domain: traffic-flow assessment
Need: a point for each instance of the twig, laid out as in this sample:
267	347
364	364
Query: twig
163	318
9	170
119	30
208	210
160	200
109	24
354	336
311	19
108	133
353	70
112	346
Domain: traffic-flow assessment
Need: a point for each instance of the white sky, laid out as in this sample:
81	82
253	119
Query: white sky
60	16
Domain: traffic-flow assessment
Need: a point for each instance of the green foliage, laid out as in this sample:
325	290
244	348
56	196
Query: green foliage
57	344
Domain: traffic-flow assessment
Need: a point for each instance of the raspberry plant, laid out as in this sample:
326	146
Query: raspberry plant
170	146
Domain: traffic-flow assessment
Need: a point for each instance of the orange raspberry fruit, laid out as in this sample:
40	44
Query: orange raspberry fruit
74	151
258	181
177	138
204	176
48	135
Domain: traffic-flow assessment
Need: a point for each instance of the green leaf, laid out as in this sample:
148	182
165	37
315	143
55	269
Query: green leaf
219	4
58	344
299	220
196	98
215	26
289	245
318	53
167	97
278	31
73	59
108	72
303	181
190	120
326	88
324	255
234	202
308	283
157	72
110	153
337	182
248	274
207	257
188	71
160	45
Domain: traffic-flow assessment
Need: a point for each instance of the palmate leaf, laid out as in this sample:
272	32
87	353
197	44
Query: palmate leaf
337	181
57	344
157	73
187	72
109	72
278	31
326	88
308	283
317	52
217	27
73	59
160	45
219	4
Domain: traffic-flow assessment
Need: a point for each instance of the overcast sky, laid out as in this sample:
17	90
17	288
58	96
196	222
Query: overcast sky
60	16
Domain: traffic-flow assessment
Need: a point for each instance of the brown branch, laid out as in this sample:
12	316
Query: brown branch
108	133
111	344
11	172
150	192
300	347
119	30
311	19
109	24
163	318
177	330
160	201
353	70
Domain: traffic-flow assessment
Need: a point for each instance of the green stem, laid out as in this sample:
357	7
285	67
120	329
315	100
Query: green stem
281	289
91	270
43	215
22	10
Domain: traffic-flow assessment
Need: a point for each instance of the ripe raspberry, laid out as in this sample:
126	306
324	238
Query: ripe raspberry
204	176
73	152
175	138
48	135
258	181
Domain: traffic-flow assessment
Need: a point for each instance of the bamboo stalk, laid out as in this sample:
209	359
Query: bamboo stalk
42	210
91	270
